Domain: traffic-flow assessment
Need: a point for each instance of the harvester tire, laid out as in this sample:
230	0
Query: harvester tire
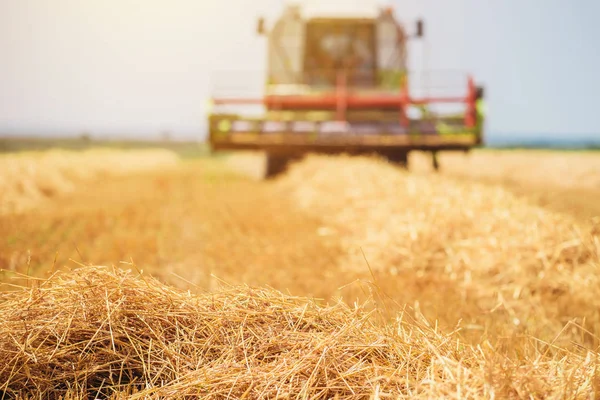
435	161
276	165
399	159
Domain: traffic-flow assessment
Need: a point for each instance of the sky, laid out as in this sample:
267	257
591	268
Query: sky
142	67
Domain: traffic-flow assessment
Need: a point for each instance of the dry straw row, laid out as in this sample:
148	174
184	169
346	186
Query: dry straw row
29	178
506	261
100	332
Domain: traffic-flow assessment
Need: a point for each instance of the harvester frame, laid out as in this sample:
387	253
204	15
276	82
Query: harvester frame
317	120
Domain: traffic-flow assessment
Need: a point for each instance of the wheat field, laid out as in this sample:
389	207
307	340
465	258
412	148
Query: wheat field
28	179
344	278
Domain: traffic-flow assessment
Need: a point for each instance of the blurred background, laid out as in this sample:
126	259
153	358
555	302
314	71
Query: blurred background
142	69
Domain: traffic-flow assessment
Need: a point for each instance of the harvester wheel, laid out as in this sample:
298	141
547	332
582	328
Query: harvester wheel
435	161
276	165
399	159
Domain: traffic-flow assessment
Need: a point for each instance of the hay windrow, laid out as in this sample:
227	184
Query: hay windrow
100	328
534	268
29	178
106	332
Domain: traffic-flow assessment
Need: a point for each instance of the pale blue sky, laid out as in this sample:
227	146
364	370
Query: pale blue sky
139	67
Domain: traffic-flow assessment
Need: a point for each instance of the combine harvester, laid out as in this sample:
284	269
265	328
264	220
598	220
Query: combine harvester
339	83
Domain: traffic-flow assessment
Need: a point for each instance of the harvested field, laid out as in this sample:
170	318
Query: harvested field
29	178
483	246
541	168
475	291
108	333
567	182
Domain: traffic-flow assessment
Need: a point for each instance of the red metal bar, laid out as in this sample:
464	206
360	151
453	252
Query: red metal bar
332	101
470	100
341	100
355	101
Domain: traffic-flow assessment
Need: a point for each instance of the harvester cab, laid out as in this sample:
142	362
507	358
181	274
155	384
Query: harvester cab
340	84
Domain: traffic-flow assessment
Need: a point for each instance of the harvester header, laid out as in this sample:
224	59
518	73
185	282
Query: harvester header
341	84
